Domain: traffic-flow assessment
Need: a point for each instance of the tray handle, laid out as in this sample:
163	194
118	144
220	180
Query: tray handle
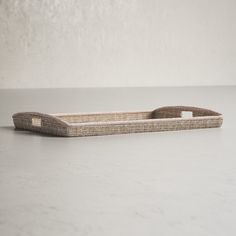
182	111
39	122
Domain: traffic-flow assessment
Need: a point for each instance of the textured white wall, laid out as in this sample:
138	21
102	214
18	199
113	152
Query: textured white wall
83	43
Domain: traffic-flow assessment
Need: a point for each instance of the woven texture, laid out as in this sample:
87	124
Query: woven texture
161	119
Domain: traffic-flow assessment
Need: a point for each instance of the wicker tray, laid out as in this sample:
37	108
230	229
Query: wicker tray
162	119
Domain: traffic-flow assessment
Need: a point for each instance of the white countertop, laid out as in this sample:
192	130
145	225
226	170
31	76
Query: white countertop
169	183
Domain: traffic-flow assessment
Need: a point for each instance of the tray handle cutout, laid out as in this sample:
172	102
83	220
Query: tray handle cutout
36	121
186	114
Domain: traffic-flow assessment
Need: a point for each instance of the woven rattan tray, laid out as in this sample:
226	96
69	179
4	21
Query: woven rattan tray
162	119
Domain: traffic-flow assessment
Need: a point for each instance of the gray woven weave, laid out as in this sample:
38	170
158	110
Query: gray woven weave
162	119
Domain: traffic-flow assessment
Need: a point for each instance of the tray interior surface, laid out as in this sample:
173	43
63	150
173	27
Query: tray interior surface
162	113
105	117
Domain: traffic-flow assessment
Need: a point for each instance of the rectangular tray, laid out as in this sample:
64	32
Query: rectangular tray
162	119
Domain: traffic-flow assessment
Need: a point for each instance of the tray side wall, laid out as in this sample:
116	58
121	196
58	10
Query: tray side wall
144	126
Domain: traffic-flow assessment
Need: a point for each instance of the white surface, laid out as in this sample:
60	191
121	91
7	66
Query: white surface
84	43
171	183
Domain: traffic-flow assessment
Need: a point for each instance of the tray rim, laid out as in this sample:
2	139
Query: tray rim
53	124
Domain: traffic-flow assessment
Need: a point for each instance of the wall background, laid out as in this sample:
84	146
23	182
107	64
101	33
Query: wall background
90	43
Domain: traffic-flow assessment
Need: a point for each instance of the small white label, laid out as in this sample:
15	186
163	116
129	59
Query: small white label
36	122
186	114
